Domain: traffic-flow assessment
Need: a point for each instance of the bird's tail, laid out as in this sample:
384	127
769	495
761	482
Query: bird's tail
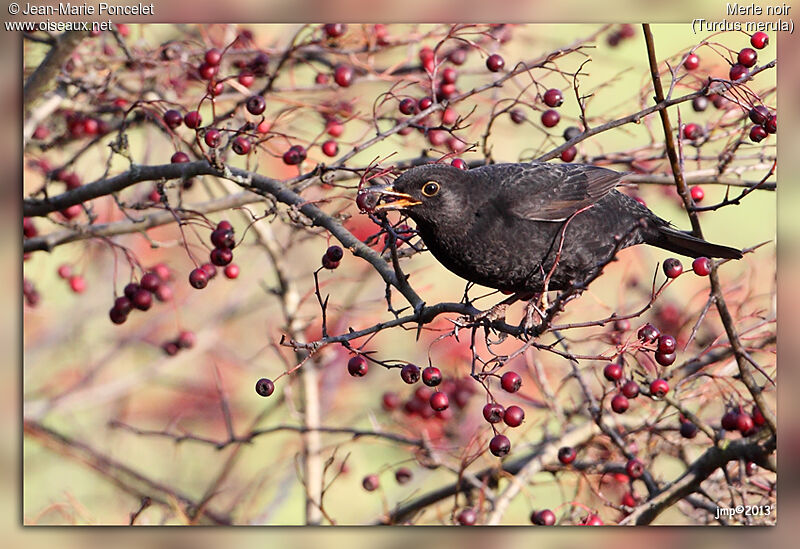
688	245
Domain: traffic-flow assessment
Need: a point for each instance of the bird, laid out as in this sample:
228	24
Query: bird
529	227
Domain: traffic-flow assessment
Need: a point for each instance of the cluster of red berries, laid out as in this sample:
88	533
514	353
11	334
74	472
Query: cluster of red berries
185	340
624	32
736	419
747	57
431	400
140	295
570	133
765	123
221	256
79	126
513	416
76	282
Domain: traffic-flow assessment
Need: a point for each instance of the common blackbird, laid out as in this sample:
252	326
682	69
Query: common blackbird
505	225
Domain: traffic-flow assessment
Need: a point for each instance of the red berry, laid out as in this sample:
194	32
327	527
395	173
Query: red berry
567	454
517	116
634	468
553	98
737	71
511	382
630	389
688	429
357	366
744	423
514	416
691	62
659	388
545	517
666	344
410	373
117	316
759	115
198	278
246	78
241	145
592	520
747	57
700	103
697	193
493	412
232	271
295	155
403	475
692	131
628	499
424	103
90	126
449	116
334	30
772	124
77	283
265	387
758	417
179	158
142	299
613	372
334	128
150	282
255	104
192	119
71	212
213	56
370	483
457	56
408	106
390	401
729	420
130	290
206	71
757	134
343	75
467	517
431	376
759	40
568	155
500	446
170	348
221	256
328	263
495	63
550	118
186	339
672	267
64	271
173	118
619	403
439	401
449	75
212	137
222	238
460	164
215	88
334	253
701	266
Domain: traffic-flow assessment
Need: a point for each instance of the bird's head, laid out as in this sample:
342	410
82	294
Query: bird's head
425	193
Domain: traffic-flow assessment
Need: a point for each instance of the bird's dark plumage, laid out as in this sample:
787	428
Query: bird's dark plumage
502	225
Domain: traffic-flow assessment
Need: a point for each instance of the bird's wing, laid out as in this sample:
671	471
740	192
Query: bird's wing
553	192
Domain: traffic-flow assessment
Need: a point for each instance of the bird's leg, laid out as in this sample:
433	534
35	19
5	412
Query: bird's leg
498	312
530	310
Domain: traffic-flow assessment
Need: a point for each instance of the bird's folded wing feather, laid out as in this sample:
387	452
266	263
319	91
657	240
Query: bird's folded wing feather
539	192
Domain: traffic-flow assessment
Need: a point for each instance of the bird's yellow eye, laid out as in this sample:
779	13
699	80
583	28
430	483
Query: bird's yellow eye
430	188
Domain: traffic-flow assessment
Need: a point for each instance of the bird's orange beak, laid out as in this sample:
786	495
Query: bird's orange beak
396	200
